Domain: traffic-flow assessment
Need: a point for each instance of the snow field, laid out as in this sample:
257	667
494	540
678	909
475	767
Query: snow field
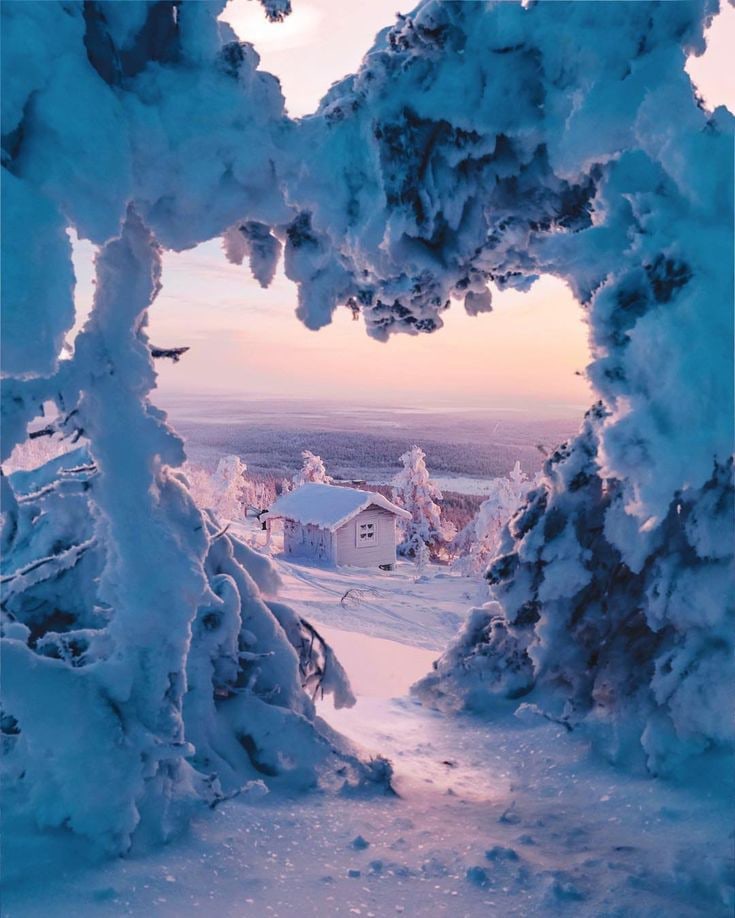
513	817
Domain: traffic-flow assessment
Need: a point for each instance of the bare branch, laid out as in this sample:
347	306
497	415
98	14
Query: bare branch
92	467
354	596
171	353
48	431
308	659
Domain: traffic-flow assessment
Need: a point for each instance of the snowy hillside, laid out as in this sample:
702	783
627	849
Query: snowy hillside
465	446
396	605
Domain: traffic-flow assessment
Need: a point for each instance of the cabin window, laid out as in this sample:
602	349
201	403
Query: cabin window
366	534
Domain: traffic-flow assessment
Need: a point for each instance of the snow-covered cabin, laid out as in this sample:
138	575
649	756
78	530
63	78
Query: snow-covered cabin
339	525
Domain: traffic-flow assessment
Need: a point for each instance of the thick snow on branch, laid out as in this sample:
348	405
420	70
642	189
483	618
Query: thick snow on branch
495	142
478	143
137	640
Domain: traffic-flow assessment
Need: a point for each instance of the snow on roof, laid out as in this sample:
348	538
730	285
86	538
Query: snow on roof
329	506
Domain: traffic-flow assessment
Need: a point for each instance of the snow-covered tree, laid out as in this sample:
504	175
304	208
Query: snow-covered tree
139	641
311	471
233	490
227	492
148	126
414	490
478	542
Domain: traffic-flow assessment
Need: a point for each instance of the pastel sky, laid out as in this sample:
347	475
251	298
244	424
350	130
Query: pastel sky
527	354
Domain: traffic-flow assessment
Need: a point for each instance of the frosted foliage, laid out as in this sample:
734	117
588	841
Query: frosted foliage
312	471
228	492
503	142
139	641
231	488
478	143
479	541
200	483
30	454
414	490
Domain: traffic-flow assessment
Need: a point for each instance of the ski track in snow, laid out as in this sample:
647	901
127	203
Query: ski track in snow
503	818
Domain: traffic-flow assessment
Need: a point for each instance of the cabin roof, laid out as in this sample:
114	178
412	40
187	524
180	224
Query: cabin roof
329	506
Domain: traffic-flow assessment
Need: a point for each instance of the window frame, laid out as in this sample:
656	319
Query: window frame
372	540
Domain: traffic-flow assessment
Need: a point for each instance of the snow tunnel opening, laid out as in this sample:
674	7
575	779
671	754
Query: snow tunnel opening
530	352
632	495
526	357
504	359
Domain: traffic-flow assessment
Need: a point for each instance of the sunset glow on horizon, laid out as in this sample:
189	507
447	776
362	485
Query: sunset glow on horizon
523	355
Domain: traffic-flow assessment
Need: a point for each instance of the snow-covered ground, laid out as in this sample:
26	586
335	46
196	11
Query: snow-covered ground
512	817
398	605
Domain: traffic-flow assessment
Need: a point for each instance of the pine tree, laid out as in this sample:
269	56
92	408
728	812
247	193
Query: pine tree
231	489
312	471
478	542
414	490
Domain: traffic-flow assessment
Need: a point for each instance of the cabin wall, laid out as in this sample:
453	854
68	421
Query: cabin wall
382	550
307	541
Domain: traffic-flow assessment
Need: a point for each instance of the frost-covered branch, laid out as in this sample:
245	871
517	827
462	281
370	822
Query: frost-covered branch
59	562
478	144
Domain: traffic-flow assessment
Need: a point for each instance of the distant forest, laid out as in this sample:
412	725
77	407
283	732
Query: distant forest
362	443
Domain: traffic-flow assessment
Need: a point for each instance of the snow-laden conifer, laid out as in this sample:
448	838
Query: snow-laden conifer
312	471
414	490
478	541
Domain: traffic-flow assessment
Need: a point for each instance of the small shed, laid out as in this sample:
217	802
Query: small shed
340	525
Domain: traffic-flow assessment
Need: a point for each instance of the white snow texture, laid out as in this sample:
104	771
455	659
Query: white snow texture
414	490
478	143
328	506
